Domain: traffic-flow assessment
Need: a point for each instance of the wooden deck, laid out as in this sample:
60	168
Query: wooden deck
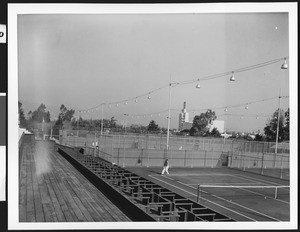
52	190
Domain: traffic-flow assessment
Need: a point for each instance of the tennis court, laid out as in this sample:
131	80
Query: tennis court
241	195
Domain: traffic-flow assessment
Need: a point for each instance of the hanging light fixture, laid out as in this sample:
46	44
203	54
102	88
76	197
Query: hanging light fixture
136	100
149	97
284	65
232	78
198	85
246	107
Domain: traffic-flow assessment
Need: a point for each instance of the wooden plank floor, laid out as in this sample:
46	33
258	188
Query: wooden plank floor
52	190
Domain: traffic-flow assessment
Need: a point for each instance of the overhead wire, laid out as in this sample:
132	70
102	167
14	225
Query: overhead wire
205	78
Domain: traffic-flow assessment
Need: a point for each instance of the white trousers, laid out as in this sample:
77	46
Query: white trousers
166	168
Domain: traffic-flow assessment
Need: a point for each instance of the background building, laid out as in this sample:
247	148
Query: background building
184	119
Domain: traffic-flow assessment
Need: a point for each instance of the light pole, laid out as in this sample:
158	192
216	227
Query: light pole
278	119
169	111
125	122
101	119
169	116
78	123
43	123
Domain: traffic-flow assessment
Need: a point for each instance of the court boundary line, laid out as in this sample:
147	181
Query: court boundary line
226	174
222	183
252	179
219	198
241	187
203	174
206	199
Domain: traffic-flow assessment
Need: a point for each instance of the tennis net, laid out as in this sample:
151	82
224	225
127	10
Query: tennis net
228	192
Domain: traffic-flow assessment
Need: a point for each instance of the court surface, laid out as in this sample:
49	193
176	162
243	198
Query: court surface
241	204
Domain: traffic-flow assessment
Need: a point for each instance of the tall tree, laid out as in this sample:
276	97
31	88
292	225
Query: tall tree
215	132
153	127
40	114
259	137
112	123
22	119
201	122
65	115
271	127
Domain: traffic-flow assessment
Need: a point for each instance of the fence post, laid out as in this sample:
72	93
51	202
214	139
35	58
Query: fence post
112	149
147	141
204	158
118	156
142	157
192	160
147	159
212	154
123	151
274	160
262	164
281	166
244	168
171	155
184	164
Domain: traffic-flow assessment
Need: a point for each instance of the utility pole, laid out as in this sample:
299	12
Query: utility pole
101	119
169	114
278	119
125	122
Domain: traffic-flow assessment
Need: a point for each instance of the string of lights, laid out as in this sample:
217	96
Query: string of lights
160	113
205	78
257	116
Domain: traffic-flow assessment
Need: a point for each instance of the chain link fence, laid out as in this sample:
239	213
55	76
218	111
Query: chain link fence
150	151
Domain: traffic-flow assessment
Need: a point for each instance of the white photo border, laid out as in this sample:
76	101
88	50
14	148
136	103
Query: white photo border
15	9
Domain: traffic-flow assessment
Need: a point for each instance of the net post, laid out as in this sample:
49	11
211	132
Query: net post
276	189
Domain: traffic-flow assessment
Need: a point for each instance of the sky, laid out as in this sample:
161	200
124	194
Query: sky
83	61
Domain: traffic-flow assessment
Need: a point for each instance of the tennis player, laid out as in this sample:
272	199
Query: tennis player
166	167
